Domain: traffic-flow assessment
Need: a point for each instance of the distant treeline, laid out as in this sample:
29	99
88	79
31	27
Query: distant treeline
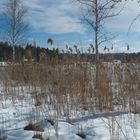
109	57
26	52
36	53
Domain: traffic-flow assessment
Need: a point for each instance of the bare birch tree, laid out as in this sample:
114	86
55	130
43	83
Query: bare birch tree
14	23
95	13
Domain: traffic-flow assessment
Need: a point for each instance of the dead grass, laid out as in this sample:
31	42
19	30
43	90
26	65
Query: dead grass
70	87
34	127
73	85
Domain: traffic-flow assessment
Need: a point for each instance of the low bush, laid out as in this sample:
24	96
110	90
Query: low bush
82	135
33	127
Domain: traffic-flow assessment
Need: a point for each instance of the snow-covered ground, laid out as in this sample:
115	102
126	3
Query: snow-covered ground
19	107
15	114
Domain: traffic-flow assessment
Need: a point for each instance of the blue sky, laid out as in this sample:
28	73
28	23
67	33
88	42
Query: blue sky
60	20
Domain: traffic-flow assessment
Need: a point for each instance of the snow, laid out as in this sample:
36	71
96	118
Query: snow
4	64
14	116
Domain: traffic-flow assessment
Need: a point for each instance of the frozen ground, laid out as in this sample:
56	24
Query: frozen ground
16	114
101	126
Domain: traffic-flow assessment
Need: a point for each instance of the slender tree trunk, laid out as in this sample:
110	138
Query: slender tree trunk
14	28
96	42
96	30
14	54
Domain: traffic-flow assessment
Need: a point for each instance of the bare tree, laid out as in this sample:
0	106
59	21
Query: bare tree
95	13
15	25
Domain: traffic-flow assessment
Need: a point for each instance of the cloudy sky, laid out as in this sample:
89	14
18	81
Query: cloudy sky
60	20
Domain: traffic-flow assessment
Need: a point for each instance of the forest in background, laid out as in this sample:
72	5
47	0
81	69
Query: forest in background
37	54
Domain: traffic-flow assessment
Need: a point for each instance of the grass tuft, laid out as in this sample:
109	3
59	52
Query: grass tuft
33	127
82	135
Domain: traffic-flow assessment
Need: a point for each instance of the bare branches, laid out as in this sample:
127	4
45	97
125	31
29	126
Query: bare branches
134	20
15	27
95	14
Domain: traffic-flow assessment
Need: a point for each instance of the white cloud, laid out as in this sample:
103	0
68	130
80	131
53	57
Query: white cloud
61	16
122	22
57	17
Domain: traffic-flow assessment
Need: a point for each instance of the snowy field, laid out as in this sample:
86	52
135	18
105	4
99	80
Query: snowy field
104	126
15	115
53	119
